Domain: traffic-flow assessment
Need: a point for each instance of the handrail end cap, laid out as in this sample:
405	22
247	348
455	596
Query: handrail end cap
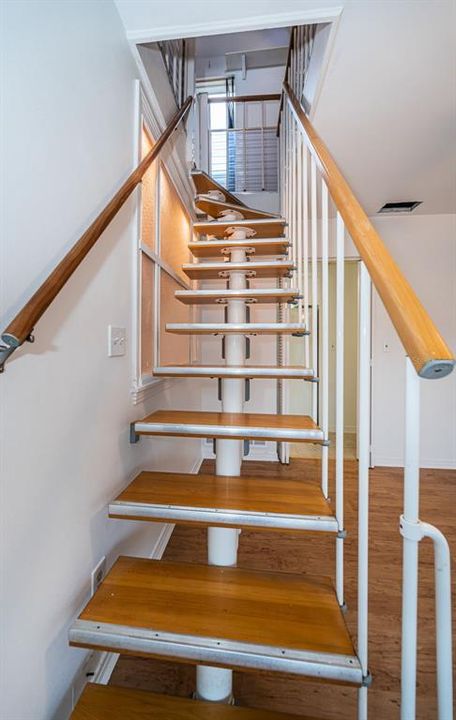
436	369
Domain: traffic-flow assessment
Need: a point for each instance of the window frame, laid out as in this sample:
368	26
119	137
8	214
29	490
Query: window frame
145	384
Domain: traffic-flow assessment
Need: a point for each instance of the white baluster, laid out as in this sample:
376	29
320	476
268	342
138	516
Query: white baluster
410	544
299	223
324	336
314	294
305	255
363	478
340	301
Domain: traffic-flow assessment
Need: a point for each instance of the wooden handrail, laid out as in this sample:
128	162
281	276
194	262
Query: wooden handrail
423	343
244	98
20	329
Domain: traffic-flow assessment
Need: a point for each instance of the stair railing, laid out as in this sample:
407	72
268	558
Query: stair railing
427	357
21	327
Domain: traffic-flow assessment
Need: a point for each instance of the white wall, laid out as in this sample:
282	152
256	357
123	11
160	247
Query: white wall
425	250
67	116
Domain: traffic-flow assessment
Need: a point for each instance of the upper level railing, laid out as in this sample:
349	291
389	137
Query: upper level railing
242	146
174	56
20	329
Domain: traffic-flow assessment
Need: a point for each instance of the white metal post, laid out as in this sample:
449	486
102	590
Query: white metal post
305	254
443	621
363	478
324	337
212	683
314	295
340	307
299	217
413	531
410	544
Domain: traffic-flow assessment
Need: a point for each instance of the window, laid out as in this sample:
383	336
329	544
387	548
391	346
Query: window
164	231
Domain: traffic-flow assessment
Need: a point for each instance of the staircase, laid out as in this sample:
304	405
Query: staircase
219	616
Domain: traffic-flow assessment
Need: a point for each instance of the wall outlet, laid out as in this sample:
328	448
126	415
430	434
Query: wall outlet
98	575
116	341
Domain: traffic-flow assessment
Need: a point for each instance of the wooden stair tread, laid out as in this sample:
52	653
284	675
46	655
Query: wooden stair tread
257	246
214	208
108	702
296	428
270	228
220	615
208	270
222	500
237	328
242	371
222	295
204	183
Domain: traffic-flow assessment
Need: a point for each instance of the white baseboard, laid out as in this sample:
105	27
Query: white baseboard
398	462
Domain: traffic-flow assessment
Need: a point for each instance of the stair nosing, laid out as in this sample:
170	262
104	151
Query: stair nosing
251	518
237	432
254	371
241	328
256	221
127	638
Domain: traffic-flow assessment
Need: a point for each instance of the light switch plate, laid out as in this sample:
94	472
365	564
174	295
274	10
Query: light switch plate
116	341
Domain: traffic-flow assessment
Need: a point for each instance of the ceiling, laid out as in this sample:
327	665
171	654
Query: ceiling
214	45
387	107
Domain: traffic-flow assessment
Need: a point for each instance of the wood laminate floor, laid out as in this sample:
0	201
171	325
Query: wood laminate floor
314	554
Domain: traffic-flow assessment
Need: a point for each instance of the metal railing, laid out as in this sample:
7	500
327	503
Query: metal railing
173	53
310	180
243	152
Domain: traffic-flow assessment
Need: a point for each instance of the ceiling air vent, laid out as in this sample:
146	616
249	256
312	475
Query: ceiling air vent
399	207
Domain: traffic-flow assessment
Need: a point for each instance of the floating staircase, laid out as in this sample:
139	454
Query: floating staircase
219	615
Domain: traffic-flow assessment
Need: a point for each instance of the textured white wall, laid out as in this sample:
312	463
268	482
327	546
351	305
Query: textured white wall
68	122
425	249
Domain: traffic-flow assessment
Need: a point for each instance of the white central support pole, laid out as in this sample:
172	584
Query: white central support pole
363	479
216	684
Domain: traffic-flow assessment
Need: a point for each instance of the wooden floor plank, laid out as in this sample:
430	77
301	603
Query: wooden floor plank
108	702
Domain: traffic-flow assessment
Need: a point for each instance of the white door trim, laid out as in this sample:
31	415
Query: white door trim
217	27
